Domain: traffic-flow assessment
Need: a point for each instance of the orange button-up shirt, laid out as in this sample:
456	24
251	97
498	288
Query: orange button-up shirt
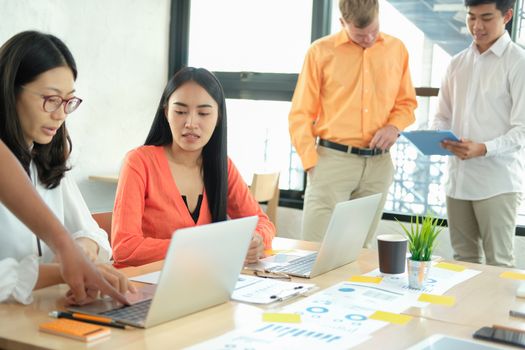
346	93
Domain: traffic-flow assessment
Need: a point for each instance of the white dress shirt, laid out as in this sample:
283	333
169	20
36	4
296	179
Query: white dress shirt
18	243
482	98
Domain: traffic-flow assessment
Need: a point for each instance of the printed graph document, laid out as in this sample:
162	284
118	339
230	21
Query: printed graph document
438	282
271	336
348	306
428	142
336	318
251	289
257	290
150	278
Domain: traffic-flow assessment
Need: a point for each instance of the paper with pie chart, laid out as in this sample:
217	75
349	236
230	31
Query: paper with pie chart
439	281
343	315
347	307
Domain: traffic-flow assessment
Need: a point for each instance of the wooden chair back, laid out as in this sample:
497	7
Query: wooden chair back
265	188
104	221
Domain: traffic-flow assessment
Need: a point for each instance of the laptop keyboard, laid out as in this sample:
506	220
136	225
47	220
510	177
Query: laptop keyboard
133	313
300	266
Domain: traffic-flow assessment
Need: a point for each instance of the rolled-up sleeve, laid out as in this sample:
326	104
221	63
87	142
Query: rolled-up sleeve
18	279
78	219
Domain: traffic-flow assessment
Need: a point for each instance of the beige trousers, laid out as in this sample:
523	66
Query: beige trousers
484	228
338	177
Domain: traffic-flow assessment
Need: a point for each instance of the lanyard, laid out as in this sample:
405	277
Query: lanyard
38	244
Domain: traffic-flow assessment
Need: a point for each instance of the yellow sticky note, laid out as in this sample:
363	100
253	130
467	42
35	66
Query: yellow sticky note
449	266
390	317
366	279
513	275
447	300
278	317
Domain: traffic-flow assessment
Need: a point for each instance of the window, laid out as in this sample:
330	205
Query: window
258	140
258	68
249	35
519	18
257	47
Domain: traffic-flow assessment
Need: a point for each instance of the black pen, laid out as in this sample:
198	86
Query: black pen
100	320
297	291
516	313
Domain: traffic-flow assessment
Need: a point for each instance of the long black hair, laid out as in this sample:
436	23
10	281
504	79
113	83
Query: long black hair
22	59
214	153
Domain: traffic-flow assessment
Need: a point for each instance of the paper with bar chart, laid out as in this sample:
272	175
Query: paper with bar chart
271	336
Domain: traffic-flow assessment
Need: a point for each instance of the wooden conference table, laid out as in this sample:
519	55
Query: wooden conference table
480	301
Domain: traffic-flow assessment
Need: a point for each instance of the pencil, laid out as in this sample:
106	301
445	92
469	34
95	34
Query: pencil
100	320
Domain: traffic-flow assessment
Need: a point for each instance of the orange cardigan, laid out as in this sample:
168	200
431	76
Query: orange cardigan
149	208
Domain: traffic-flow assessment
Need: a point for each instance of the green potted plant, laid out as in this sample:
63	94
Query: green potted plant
421	235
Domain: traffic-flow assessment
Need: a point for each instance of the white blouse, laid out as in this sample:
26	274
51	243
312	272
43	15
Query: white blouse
18	279
17	242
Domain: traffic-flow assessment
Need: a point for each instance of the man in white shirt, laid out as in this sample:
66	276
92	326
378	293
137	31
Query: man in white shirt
482	100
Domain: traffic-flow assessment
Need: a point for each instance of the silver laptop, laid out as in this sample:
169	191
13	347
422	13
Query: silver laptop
344	238
200	270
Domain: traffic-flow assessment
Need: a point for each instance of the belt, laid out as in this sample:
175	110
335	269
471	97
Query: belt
364	152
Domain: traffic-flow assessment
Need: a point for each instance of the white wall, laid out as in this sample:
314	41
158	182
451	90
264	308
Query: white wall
121	50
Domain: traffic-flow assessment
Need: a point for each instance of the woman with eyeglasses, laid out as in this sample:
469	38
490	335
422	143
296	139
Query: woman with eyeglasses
182	176
37	93
17	194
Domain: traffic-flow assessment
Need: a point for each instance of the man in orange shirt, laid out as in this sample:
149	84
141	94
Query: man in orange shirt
354	95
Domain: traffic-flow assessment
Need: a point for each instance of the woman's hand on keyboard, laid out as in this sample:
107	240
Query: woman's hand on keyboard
114	277
256	249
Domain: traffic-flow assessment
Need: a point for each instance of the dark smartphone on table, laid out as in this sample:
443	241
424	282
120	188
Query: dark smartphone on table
503	336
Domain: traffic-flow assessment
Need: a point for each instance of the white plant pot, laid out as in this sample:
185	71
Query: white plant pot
417	273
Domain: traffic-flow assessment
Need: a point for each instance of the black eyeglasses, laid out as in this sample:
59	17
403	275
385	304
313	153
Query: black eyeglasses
53	102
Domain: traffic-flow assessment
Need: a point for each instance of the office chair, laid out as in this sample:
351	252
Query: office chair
103	220
265	188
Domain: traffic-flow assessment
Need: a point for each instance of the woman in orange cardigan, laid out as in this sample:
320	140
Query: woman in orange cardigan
182	176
